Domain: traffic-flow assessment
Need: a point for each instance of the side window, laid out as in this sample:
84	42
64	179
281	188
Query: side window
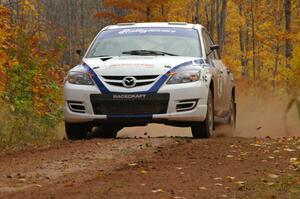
206	42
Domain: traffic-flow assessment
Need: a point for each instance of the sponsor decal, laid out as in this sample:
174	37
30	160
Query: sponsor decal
220	87
144	31
129	96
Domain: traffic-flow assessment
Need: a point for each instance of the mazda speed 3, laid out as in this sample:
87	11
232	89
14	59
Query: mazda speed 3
139	73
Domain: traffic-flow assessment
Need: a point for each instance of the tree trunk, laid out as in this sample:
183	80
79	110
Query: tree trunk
253	41
288	44
275	66
212	15
83	29
162	11
206	15
197	18
70	32
148	14
243	46
221	23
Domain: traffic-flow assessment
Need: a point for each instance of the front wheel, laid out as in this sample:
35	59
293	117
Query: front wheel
107	132
205	129
77	131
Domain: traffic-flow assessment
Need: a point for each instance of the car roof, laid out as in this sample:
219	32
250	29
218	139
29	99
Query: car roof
155	24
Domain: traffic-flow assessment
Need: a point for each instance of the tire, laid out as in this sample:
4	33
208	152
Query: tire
205	129
107	132
231	120
77	131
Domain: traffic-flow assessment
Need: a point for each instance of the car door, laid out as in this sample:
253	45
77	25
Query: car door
225	80
219	78
216	74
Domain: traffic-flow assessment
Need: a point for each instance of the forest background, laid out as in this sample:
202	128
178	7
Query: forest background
259	41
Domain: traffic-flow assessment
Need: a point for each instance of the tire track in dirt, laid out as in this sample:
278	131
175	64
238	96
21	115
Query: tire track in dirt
69	162
178	168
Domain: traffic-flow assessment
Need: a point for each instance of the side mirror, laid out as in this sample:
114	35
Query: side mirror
214	47
228	70
79	52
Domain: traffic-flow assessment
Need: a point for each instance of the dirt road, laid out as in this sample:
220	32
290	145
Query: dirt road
146	162
220	167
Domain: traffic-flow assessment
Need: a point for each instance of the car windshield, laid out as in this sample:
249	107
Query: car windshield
147	41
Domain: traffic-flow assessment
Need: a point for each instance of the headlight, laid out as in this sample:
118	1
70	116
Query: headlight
184	76
80	78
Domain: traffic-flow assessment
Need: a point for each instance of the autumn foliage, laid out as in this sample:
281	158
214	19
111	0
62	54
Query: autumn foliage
31	78
6	35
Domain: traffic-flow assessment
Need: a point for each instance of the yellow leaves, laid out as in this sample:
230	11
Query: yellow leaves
240	183
29	5
132	164
5	37
13	62
295	163
271	157
41	88
289	150
157	191
230	156
143	172
202	188
230	178
218	184
274	176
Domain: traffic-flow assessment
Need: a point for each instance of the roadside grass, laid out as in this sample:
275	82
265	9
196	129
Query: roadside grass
285	187
19	130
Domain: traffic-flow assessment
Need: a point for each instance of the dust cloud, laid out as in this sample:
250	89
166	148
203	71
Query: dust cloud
258	115
263	115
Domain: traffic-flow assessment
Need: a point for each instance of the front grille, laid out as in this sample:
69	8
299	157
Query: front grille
140	80
137	84
129	104
137	77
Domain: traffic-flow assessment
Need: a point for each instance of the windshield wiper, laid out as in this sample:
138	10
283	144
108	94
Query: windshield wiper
100	56
103	57
147	52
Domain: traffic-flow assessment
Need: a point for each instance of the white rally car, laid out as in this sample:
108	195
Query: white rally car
139	73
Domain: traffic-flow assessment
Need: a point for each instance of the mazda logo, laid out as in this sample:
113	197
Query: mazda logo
129	82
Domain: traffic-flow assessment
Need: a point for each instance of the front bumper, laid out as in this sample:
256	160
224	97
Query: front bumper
178	93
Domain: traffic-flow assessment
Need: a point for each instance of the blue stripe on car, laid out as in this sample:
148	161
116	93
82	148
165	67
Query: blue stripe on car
154	89
163	79
96	79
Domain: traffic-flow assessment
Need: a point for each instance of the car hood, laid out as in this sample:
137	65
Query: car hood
135	65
